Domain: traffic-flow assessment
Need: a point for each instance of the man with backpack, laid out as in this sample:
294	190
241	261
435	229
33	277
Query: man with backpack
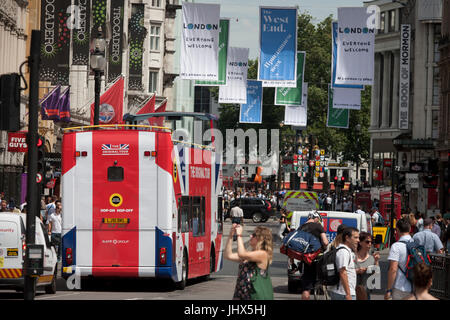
345	265
314	226
399	287
428	239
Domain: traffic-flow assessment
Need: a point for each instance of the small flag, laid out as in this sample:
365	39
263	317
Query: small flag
64	106
149	106
49	105
159	121
111	105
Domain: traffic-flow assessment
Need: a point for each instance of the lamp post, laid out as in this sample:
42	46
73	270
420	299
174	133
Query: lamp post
98	63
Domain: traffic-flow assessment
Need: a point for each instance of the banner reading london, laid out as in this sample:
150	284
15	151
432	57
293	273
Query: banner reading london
355	47
200	41
277	65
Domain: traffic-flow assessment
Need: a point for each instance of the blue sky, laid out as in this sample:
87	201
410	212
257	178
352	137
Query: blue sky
244	16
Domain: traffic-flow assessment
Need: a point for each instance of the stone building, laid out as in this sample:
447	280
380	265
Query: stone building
405	102
443	146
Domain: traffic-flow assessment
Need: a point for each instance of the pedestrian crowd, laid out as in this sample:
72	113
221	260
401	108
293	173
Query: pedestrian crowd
50	215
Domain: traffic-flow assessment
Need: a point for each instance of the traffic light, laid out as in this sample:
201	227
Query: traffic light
342	182
335	181
10	102
40	160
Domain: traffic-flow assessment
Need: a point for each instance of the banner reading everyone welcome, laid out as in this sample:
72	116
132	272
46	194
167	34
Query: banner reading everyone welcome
355	47
200	41
278	47
235	91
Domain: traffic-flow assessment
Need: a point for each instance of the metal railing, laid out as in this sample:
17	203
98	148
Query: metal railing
440	266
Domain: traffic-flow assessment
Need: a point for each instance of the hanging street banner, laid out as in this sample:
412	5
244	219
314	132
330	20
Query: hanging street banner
251	112
223	50
284	96
355	47
136	34
334	35
277	63
116	15
296	115
346	98
235	91
337	118
200	42
405	39
80	34
55	42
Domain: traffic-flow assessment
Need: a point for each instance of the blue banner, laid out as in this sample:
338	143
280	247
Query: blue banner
278	47
251	112
333	62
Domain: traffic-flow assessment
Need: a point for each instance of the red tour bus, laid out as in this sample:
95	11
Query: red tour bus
138	204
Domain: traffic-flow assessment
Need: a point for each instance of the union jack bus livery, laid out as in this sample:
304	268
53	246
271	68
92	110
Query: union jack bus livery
138	204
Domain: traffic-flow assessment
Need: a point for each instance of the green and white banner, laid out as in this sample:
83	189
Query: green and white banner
337	118
293	96
223	51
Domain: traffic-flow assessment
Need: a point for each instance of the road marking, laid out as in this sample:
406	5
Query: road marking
58	296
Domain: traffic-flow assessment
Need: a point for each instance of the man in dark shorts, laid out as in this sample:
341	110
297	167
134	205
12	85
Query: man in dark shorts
309	277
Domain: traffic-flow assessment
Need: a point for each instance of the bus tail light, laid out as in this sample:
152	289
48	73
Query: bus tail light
69	257
162	256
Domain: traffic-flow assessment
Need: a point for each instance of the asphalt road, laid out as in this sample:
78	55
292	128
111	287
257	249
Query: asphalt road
220	286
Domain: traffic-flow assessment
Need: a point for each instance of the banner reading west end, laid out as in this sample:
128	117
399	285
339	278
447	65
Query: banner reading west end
81	32
223	50
235	91
355	47
277	63
200	41
337	118
284	96
116	42
55	42
251	112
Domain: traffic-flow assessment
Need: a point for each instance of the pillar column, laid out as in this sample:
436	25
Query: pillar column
386	91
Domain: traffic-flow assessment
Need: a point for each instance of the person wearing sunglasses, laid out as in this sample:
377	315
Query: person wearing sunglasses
363	261
256	260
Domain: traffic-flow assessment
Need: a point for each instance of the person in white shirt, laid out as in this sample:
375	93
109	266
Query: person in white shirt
55	228
399	287
345	263
359	210
376	217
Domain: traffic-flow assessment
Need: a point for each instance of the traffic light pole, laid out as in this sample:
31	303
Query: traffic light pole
32	188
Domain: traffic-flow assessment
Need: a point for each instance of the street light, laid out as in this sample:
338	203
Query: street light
98	63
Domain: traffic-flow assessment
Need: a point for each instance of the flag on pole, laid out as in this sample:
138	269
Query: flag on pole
111	105
159	121
64	106
149	106
49	105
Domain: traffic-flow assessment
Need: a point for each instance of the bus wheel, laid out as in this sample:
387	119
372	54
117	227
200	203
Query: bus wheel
184	273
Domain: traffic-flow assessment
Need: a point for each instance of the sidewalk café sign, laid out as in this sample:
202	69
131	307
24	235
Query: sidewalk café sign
17	141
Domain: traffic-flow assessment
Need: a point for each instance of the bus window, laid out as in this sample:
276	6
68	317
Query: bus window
115	173
183	216
219	217
198	219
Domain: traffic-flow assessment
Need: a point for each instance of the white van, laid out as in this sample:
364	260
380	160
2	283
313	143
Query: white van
331	221
12	251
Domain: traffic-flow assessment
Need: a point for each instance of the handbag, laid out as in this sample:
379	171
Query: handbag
261	285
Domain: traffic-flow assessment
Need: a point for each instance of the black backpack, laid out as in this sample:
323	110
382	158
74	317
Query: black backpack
327	271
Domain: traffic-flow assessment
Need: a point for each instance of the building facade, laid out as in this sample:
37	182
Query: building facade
443	145
13	42
405	100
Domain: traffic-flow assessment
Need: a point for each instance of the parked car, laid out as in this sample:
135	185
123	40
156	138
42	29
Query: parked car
12	252
257	209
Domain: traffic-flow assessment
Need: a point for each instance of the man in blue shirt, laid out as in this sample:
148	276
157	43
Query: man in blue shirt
428	239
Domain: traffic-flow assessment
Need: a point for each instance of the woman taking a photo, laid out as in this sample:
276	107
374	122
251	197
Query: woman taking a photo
253	282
